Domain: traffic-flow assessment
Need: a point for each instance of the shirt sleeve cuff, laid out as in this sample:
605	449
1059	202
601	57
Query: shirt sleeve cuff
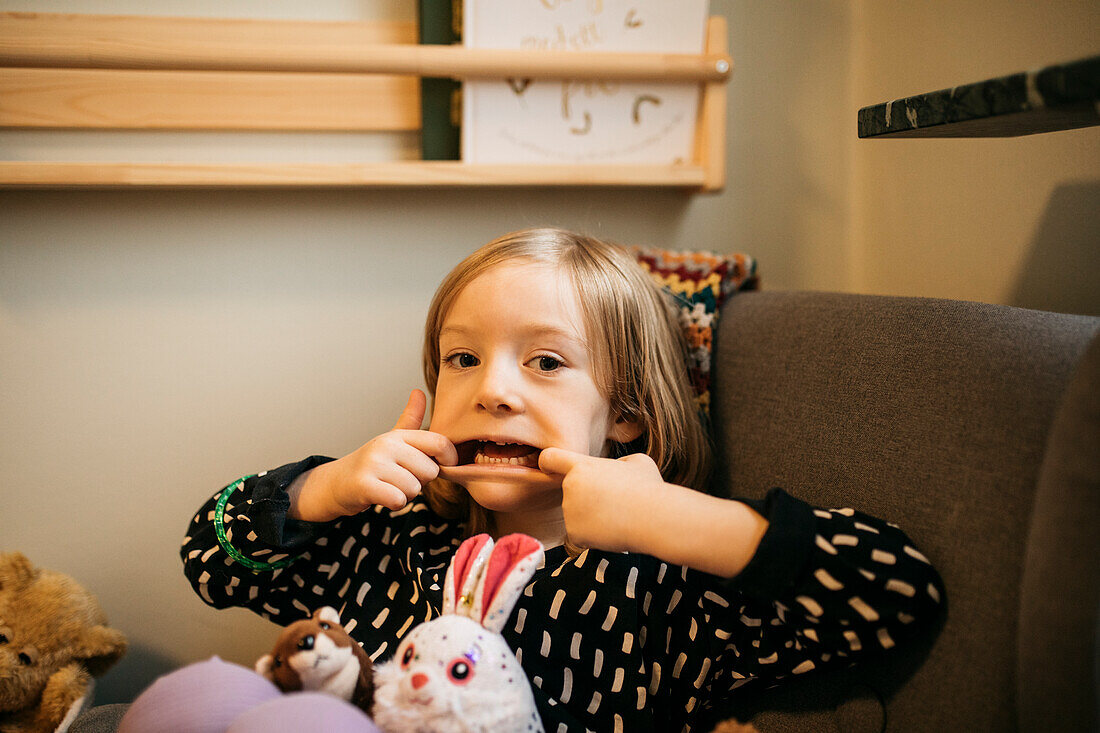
270	504
783	557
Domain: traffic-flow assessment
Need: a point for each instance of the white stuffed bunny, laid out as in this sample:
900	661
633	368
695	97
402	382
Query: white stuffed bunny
456	672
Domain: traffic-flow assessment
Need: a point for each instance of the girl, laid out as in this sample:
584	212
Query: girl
561	408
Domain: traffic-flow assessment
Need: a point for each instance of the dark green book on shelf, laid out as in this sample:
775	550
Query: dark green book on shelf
440	22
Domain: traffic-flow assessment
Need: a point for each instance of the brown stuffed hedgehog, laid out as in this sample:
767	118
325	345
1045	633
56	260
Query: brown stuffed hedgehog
53	640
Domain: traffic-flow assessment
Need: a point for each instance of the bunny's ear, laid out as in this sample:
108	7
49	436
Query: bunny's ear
512	563
464	572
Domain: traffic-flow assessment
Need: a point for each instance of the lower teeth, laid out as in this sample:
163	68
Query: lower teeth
481	458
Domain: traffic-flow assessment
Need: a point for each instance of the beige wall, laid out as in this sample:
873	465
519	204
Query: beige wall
155	345
1001	220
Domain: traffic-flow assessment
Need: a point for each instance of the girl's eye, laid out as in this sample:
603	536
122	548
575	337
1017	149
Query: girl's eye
407	657
462	360
547	363
460	671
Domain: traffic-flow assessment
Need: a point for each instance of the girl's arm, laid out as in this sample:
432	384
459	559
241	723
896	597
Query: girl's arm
702	532
241	567
241	537
625	505
798	588
828	587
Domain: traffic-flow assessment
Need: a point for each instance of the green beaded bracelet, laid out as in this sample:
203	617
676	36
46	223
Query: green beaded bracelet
223	540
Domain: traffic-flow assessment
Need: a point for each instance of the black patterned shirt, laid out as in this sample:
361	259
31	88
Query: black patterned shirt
610	641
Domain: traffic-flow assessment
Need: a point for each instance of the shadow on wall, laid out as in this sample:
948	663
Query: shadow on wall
1063	264
137	670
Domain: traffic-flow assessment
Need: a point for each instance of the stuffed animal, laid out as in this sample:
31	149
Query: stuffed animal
215	696
456	672
53	639
316	654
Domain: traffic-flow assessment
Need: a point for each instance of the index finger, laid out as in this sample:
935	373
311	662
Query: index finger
559	460
436	445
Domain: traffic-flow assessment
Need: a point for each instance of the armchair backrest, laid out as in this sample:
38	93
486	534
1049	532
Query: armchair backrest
932	414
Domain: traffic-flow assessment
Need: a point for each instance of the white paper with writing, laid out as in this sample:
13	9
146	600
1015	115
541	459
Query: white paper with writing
565	122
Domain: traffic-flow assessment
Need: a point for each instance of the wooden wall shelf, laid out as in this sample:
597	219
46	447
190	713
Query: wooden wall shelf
1060	97
333	175
60	71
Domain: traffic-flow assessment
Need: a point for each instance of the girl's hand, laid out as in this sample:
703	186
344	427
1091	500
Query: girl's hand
608	504
389	470
625	505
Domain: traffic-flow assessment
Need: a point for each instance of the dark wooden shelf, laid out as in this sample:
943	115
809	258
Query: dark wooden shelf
1061	97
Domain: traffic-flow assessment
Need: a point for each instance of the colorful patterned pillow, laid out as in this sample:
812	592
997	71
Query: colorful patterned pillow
700	282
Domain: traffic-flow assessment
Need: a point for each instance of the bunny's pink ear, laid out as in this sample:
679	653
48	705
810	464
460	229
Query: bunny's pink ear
513	561
464	572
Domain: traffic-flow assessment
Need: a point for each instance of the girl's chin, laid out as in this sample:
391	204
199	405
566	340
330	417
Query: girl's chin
504	488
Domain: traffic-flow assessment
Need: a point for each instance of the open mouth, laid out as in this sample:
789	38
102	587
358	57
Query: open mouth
493	453
498	461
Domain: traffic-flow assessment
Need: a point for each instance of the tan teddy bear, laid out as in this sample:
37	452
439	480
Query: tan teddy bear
53	640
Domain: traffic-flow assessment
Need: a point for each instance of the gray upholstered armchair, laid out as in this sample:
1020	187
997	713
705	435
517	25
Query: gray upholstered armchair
977	429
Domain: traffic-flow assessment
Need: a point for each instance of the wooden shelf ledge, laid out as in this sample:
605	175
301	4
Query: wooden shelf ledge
387	174
42	40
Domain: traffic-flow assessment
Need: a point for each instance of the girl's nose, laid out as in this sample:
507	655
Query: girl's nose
499	391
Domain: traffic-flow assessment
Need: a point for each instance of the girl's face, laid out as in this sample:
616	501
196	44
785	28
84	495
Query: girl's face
516	377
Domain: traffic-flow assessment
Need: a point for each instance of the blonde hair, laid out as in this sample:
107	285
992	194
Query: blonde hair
638	352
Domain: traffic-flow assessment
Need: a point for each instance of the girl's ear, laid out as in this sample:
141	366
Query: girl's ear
625	430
